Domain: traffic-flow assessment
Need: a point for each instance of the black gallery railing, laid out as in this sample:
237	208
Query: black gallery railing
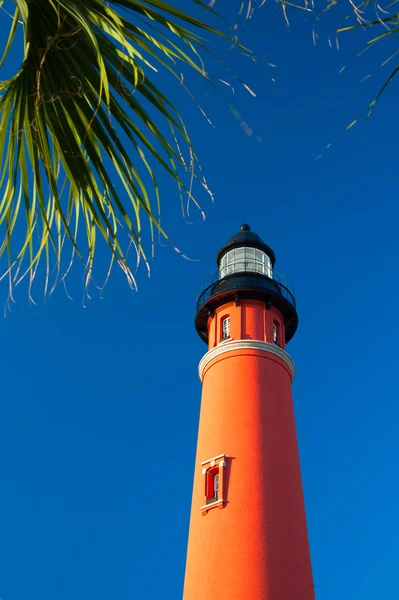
244	277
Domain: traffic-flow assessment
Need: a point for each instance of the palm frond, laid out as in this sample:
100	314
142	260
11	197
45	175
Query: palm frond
82	124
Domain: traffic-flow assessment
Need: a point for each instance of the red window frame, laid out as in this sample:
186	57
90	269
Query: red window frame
214	471
212	484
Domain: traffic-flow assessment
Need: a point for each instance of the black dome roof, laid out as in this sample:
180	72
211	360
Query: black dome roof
246	237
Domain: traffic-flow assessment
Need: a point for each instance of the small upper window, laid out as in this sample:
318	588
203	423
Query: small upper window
225	328
276	333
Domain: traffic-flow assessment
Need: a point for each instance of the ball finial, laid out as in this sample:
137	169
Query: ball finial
245	227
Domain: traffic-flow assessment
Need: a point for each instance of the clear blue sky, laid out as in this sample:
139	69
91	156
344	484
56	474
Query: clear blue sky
99	408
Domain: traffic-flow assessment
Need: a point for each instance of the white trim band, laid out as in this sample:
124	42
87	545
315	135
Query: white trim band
246	345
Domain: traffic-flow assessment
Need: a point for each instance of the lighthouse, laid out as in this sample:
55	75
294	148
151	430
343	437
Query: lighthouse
248	536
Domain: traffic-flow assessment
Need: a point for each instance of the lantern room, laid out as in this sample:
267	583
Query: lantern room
245	251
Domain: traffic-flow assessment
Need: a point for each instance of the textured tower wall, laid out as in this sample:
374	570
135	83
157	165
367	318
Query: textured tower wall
254	545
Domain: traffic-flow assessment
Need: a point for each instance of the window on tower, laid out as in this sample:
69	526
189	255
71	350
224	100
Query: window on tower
225	328
212	485
215	486
276	333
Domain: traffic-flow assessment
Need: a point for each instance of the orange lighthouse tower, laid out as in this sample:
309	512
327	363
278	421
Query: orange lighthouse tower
248	537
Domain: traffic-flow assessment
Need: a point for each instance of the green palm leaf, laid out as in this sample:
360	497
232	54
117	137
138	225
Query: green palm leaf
82	120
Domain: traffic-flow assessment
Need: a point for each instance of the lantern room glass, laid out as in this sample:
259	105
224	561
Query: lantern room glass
245	259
